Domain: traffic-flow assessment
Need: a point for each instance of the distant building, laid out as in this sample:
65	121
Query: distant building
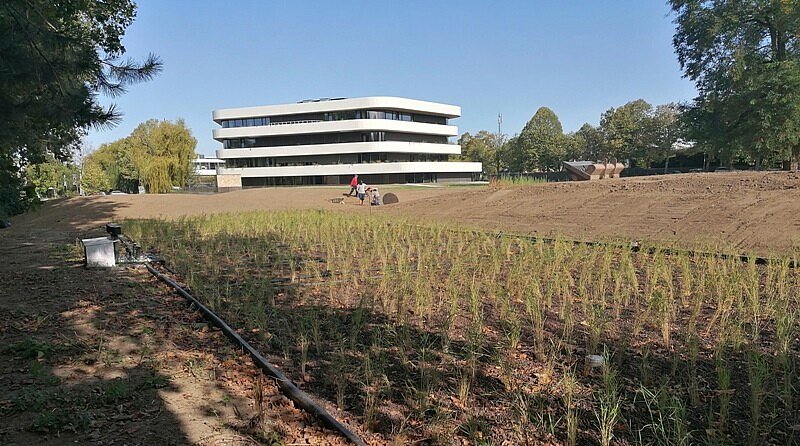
326	141
207	166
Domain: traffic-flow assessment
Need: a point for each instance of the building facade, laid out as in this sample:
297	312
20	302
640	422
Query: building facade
204	167
326	141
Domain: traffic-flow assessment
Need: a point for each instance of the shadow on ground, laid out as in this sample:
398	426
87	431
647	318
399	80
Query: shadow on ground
107	356
407	383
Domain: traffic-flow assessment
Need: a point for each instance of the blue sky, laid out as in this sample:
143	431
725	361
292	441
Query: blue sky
577	57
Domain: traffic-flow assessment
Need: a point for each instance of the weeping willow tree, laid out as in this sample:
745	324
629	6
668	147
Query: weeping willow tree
155	176
156	155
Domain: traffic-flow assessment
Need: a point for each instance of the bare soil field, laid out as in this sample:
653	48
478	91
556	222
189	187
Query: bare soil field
747	211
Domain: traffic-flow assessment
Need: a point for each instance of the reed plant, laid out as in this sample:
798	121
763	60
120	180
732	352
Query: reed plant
389	315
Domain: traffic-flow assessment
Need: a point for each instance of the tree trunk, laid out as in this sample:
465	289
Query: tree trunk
792	162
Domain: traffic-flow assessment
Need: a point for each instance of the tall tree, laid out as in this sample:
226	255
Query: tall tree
744	57
94	178
590	144
541	144
626	131
51	174
482	147
156	155
57	58
665	130
162	153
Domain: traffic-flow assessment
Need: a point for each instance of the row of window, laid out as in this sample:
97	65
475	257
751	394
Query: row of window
329	138
345	179
359	158
250	122
345	115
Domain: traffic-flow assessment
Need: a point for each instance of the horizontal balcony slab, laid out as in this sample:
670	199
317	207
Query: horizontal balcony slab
354	125
374	102
361	169
341	148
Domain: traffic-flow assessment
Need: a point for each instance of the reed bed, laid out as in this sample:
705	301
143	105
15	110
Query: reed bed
516	180
431	333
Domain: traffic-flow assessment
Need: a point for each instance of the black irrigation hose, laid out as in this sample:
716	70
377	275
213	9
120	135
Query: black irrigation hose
286	385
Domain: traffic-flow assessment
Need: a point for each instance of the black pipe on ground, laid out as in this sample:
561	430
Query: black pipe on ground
287	386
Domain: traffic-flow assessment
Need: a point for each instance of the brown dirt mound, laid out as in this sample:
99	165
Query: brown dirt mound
748	211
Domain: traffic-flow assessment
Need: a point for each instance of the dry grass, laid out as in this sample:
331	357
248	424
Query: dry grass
426	332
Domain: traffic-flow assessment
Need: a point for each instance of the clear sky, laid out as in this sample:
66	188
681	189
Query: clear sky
578	57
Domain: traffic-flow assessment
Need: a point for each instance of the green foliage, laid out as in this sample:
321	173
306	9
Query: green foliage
588	143
483	147
541	144
635	132
94	178
744	58
156	155
625	129
50	174
57	58
640	133
15	197
162	151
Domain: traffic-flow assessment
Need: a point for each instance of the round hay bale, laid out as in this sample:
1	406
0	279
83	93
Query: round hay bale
390	198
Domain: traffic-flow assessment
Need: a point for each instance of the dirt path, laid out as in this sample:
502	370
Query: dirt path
110	356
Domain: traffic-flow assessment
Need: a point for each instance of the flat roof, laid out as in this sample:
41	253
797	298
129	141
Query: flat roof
332	105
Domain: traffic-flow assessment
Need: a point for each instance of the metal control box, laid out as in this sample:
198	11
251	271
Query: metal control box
100	252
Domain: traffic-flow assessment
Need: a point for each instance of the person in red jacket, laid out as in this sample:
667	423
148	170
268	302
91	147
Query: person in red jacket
353	184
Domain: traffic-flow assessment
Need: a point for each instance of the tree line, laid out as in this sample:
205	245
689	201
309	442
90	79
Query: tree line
636	132
157	155
744	59
58	58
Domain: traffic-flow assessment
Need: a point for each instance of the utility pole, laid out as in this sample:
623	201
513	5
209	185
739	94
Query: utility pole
499	143
499	121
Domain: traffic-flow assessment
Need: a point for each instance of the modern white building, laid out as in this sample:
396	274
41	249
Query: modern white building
326	141
207	166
